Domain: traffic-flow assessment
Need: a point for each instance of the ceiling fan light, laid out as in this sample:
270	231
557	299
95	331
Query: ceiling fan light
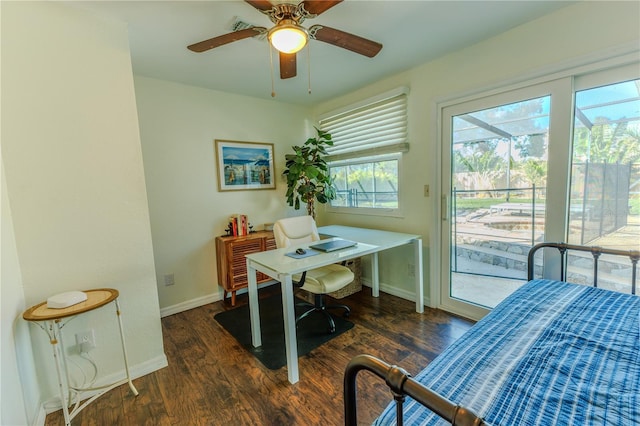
288	38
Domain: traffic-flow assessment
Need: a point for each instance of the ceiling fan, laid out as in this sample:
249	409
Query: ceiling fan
288	36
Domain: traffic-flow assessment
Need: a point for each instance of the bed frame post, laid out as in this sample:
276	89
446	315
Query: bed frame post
634	265
595	252
394	376
563	262
399	398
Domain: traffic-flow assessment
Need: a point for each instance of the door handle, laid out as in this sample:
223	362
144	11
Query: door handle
444	207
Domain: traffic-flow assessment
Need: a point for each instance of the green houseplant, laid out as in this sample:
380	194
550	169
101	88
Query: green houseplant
307	174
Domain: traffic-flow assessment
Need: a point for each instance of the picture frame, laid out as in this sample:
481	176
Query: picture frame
244	165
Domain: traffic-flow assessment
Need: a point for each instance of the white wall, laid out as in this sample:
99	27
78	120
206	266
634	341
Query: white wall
550	43
20	398
178	125
75	180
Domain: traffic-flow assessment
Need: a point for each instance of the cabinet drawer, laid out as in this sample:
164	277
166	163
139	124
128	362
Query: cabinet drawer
240	248
270	244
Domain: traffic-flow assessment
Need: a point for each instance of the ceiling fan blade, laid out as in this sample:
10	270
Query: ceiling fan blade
288	65
345	40
205	45
261	5
316	7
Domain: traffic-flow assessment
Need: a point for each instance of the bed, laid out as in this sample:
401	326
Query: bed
552	353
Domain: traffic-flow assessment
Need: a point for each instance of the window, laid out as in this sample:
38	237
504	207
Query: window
369	139
366	183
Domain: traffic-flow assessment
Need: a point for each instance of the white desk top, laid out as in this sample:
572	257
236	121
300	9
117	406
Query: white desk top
369	241
383	239
278	261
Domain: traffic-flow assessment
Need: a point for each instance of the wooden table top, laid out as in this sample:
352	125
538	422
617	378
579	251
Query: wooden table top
95	299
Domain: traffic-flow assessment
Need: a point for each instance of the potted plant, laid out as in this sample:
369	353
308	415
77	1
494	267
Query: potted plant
307	174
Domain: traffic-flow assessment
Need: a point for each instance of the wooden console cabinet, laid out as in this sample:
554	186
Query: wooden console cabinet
232	266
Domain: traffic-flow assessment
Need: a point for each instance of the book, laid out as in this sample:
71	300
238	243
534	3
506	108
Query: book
239	225
234	226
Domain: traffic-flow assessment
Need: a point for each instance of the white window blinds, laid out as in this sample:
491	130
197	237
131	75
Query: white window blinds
373	127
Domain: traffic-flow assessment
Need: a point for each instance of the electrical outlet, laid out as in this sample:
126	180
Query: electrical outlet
426	190
411	270
86	341
169	279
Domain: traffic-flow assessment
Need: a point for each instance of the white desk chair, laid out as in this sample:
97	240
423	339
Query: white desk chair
326	279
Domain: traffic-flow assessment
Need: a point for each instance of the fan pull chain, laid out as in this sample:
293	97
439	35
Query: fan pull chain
273	85
309	66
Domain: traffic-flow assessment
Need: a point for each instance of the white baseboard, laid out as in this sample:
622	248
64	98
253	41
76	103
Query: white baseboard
41	417
136	371
398	292
203	300
214	297
190	304
149	366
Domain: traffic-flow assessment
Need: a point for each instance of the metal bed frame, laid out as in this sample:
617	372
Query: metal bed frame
563	248
400	382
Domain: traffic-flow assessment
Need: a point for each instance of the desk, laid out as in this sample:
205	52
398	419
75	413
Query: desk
54	321
280	267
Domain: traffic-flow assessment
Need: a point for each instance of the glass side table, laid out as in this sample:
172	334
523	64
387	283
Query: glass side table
52	321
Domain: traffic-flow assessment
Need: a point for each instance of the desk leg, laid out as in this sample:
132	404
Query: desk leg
375	275
418	271
289	315
254	307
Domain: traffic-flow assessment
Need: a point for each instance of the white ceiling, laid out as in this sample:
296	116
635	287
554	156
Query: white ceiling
412	33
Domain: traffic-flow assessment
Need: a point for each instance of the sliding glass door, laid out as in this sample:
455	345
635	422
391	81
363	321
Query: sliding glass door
495	180
558	161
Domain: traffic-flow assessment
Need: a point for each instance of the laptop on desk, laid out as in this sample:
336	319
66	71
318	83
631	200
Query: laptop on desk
333	245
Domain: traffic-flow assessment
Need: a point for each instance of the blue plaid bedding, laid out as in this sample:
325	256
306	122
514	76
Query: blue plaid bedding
552	353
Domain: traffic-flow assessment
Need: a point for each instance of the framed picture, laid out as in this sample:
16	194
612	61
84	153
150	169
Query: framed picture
244	165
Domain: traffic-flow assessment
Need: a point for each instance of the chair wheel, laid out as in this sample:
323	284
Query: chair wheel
346	314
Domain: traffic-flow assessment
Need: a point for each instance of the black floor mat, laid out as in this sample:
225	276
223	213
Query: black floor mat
312	331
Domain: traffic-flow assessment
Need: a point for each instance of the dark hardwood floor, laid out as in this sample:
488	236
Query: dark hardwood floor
212	380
